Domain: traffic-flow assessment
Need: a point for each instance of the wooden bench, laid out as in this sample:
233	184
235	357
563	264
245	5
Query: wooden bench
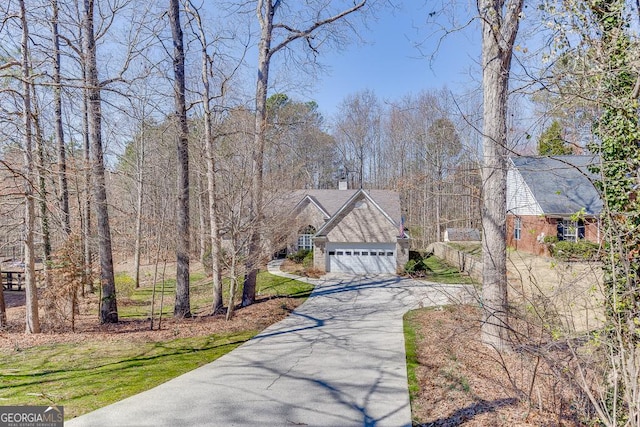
11	279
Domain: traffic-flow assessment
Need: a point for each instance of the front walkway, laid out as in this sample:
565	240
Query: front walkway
337	360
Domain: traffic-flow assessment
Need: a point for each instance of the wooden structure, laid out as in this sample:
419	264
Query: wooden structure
11	279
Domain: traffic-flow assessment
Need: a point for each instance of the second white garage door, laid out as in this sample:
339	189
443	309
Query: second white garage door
361	258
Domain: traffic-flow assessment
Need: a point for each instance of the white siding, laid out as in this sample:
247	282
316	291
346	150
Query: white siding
520	200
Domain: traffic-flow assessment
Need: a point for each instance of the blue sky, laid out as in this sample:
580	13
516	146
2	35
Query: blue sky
391	65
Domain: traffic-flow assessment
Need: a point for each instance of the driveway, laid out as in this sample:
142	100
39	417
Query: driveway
337	360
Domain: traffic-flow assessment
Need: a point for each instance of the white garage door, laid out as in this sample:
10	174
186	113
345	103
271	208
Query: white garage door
362	258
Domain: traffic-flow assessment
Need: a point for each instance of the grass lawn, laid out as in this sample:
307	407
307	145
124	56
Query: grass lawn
88	375
437	271
107	367
474	249
441	272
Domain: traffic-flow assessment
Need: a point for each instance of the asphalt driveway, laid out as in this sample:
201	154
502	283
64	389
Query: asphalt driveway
337	360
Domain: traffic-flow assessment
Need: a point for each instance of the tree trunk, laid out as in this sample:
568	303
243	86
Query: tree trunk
499	29
31	290
139	204
85	202
108	306
3	306
182	306
211	200
42	189
257	162
59	133
265	12
214	232
203	215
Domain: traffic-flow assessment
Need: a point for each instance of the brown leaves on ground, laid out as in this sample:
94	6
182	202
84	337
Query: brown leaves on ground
464	383
87	327
300	270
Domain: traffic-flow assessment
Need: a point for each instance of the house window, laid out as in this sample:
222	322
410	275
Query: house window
570	230
517	229
305	238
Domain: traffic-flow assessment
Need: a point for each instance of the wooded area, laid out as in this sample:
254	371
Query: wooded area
109	134
153	131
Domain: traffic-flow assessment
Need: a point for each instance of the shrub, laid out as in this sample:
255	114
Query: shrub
410	266
415	255
299	256
416	268
307	261
580	250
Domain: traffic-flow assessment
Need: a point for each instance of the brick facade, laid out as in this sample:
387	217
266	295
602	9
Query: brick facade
534	228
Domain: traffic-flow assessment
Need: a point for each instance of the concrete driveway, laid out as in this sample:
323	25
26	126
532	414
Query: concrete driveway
338	360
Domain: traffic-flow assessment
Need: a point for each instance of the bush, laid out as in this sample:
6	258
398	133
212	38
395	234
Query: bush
416	268
307	261
572	251
298	257
416	255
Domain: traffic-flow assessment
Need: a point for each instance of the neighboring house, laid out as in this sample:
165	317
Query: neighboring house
544	194
351	231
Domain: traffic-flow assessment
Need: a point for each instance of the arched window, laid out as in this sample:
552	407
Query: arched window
305	237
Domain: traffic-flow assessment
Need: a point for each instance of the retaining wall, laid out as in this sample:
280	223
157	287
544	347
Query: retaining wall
461	260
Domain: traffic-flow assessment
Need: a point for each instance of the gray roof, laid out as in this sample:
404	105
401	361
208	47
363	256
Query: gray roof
562	185
463	234
332	200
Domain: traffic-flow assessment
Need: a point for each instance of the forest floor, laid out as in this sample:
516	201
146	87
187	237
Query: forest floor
459	381
269	309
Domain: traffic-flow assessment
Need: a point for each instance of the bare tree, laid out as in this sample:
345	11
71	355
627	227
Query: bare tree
500	20
3	306
182	306
269	45
358	135
210	156
108	306
32	319
59	132
444	146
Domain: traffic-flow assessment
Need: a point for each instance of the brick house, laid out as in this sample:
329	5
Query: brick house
544	194
350	231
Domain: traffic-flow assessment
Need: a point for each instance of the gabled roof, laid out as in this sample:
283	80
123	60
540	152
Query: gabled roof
310	199
330	201
562	185
387	197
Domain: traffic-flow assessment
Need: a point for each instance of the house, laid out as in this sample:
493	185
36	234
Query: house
551	196
351	231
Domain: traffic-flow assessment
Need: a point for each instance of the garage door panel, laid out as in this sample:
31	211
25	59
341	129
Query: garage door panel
362	258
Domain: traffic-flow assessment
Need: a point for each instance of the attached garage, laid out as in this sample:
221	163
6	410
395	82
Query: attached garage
361	258
356	231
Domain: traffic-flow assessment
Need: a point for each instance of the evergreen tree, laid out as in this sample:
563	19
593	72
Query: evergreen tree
551	142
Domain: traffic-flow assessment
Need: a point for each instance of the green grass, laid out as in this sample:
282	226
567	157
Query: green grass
91	374
441	272
474	249
410	337
136	303
274	286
